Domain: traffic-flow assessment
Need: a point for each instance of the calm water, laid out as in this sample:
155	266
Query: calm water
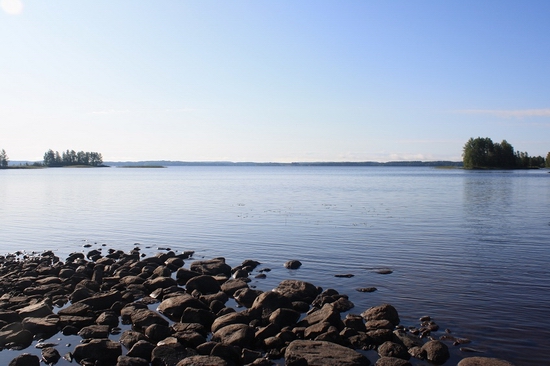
471	249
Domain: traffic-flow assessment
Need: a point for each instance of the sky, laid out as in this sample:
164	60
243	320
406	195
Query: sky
273	81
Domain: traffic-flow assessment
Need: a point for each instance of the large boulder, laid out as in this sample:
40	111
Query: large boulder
200	360
211	267
381	312
103	350
320	353
240	335
204	284
436	352
173	307
297	290
483	361
25	360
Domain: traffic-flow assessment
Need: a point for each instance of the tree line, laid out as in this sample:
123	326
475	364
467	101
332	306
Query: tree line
71	157
483	153
4	160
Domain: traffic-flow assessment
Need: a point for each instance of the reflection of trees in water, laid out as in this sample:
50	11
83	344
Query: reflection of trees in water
488	203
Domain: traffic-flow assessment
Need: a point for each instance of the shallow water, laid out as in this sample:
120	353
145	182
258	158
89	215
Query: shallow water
469	248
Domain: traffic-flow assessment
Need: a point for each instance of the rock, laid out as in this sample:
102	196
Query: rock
170	354
159	282
43	326
378	324
202	361
38	310
129	338
233	285
380	336
392	361
384	311
200	316
293	264
321	353
109	318
326	314
173	307
246	296
25	359
436	352
102	350
94	331
50	355
229	319
483	361
131	361
143	318
183	275
240	335
391	349
204	284
366	289
77	309
269	301
157	332
15	334
102	301
297	290
211	267
141	349
283	317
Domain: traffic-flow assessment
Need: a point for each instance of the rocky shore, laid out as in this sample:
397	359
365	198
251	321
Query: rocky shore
95	295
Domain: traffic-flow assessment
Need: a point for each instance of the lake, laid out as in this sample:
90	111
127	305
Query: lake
469	248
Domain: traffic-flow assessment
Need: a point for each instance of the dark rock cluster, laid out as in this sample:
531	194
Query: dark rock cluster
192	324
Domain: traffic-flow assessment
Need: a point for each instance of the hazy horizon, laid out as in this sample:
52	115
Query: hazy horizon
273	81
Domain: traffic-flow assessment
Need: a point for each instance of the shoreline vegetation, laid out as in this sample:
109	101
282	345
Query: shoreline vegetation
483	153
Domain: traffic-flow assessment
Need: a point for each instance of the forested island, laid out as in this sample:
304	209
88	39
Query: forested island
71	158
483	153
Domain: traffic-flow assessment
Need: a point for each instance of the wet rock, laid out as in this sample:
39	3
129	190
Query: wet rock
42	326
391	349
246	296
170	354
159	282
202	361
129	338
240	335
268	302
173	307
131	361
94	331
157	332
297	290
366	289
303	352
102	301
233	285
50	355
204	284
78	309
141	349
109	318
283	317
384	311
378	324
229	319
436	352
293	264
25	359
183	275
211	267
38	310
326	314
102	350
483	361
15	335
392	361
143	318
75	321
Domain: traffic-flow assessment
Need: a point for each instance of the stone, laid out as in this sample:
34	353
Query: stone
269	301
50	355
141	349
25	359
233	285
173	307
246	296
391	349
143	318
384	311
42	326
157	332
102	301
131	361
204	284
38	310
15	334
283	317
211	267
240	335
297	290
200	360
229	319
183	275
326	314
293	264
483	361
100	350
77	309
392	361
170	354
436	352
129	338
159	282
94	331
320	353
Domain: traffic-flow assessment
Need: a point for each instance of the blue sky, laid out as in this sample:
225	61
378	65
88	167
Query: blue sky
273	80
